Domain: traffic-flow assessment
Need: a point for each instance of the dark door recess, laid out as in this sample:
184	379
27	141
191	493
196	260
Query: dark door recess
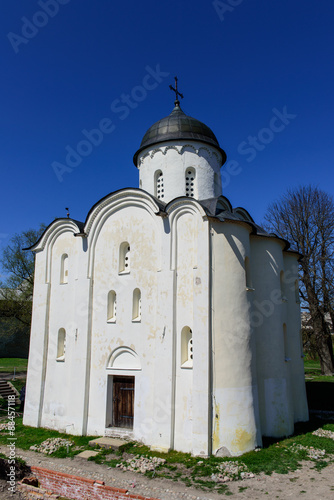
123	401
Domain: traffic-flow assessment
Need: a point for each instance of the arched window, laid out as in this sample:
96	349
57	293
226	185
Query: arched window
61	344
64	269
248	277
159	185
124	257
286	351
186	347
136	305
111	310
190	182
283	286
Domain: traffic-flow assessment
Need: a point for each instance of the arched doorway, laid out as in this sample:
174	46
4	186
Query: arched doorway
121	388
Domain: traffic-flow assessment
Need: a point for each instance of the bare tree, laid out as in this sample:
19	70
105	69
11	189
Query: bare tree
305	217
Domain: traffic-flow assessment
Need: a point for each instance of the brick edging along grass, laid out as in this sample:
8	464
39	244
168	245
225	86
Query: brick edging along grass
77	487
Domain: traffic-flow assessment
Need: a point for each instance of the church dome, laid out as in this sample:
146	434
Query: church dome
178	126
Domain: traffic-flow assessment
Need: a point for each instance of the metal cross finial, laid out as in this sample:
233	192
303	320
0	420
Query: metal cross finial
177	93
68	212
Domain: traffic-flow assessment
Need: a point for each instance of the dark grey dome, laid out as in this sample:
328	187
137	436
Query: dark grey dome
176	126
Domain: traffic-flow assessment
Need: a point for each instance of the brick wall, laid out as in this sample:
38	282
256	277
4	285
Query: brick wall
80	488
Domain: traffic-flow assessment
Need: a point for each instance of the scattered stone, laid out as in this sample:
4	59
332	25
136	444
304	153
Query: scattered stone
51	445
312	453
141	464
323	433
231	471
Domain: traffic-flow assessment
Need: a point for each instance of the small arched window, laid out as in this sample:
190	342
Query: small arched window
159	185
136	305
124	257
111	309
186	347
64	268
61	344
190	180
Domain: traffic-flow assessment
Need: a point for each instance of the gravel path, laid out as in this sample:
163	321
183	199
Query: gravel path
306	483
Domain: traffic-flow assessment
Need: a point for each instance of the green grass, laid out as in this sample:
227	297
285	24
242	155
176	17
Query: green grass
28	436
18	383
8	364
280	457
313	371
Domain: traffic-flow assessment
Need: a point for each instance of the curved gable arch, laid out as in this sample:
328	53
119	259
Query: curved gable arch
242	212
123	358
176	209
111	204
49	237
223	204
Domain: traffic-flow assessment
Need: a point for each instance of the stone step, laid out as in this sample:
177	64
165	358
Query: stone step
7	389
107	442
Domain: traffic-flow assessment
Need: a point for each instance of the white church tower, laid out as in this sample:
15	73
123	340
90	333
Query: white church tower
168	316
180	156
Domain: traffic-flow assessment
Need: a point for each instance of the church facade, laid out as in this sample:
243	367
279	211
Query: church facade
168	316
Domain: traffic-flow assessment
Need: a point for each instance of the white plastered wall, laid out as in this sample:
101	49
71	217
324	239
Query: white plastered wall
236	425
137	227
269	314
189	264
54	307
173	161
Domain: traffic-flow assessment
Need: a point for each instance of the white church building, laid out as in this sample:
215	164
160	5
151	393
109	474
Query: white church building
167	317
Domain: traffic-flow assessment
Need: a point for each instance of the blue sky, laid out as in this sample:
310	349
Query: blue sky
240	64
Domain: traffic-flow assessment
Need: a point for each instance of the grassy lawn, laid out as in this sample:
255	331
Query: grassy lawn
277	455
8	364
313	371
281	456
28	436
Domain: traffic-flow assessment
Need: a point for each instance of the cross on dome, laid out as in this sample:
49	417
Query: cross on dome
177	93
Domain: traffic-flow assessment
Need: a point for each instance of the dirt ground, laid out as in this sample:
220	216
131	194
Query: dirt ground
305	483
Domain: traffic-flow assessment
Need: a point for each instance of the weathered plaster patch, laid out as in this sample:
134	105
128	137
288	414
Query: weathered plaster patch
242	441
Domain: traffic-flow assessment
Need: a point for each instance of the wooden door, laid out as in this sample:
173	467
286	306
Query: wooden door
123	401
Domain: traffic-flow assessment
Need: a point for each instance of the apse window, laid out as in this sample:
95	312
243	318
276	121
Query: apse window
124	258
111	311
190	182
136	305
159	185
249	285
64	269
61	345
186	347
